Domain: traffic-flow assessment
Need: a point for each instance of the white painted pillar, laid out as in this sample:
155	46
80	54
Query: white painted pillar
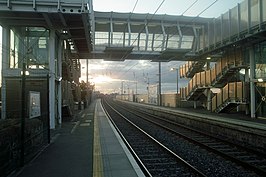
5	61
252	84
52	78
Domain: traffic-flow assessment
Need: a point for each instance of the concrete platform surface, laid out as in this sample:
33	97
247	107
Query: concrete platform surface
86	146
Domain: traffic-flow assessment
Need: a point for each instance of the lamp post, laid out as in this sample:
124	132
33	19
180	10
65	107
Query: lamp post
23	111
173	69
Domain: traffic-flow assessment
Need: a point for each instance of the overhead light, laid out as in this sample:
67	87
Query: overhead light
27	73
208	58
260	80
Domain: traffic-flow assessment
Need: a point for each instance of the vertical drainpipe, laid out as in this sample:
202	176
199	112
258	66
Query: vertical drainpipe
252	84
52	78
5	61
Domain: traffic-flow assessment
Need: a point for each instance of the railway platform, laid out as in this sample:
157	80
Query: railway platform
87	146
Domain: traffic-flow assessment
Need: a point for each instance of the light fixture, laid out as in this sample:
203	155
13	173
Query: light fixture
208	58
260	80
27	73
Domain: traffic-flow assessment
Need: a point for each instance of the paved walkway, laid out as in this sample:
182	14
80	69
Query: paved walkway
69	154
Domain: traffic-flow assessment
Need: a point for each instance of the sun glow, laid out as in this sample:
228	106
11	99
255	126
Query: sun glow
101	79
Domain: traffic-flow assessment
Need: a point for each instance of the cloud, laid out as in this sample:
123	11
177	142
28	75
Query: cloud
112	74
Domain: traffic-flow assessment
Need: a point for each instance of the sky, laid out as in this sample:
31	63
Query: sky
109	76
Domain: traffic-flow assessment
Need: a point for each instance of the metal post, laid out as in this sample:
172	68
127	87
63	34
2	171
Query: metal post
87	71
148	89
5	59
52	78
177	81
48	110
252	84
122	88
23	111
160	86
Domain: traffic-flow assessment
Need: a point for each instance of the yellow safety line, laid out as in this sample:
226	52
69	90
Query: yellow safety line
97	153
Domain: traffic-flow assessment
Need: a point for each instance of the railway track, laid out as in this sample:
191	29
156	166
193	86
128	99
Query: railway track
156	159
246	157
214	156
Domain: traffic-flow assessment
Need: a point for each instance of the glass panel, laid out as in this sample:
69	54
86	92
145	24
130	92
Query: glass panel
118	38
218	29
187	42
260	58
264	10
225	30
134	41
211	33
127	39
254	13
172	42
101	38
203	38
149	47
13	63
234	22
37	48
30	45
158	42
244	16
142	41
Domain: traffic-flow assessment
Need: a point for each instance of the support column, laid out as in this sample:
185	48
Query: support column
160	86
52	78
246	92
252	84
5	61
59	88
